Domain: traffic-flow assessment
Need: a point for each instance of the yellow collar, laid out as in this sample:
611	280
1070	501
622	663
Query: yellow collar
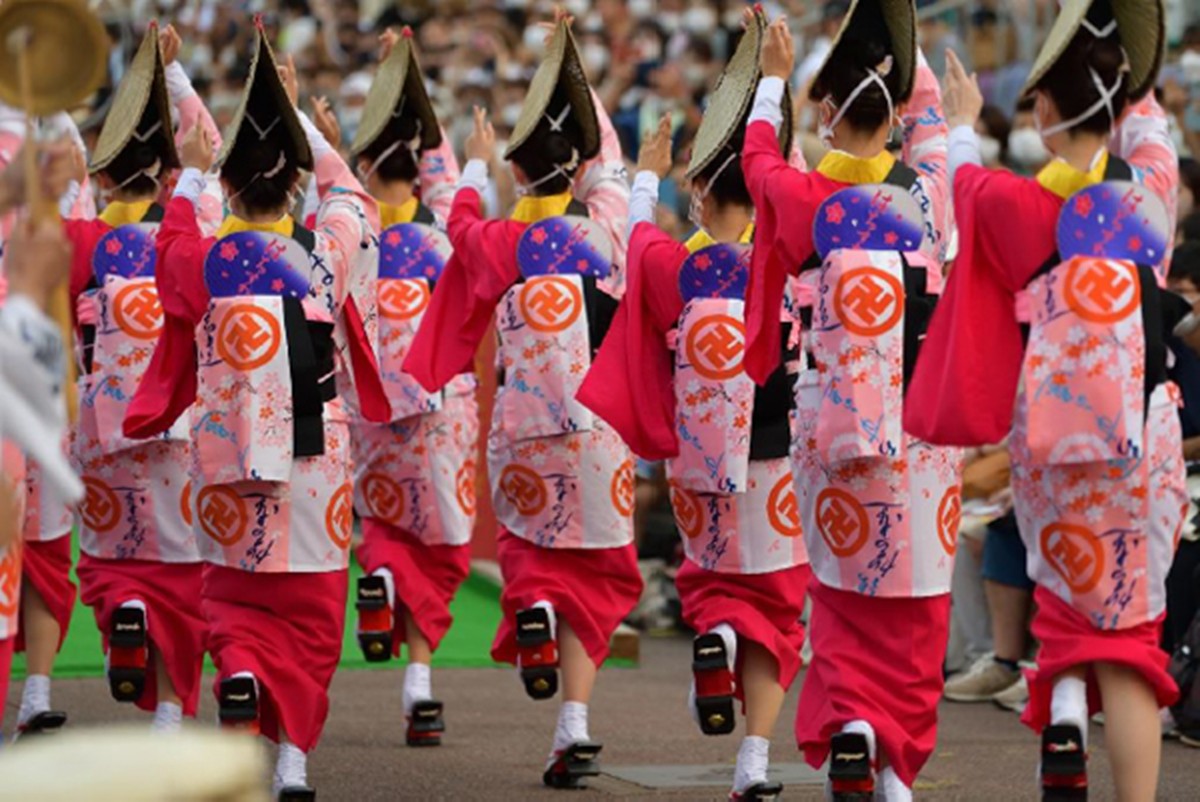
702	239
121	213
532	208
233	225
390	215
841	166
1064	180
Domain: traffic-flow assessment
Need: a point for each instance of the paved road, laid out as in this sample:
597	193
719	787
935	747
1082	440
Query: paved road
498	738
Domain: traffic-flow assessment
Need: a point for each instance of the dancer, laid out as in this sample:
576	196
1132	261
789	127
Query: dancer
414	477
1098	487
140	568
743	580
562	481
256	321
880	510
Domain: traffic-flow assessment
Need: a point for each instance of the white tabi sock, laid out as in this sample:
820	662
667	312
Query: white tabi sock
572	726
890	788
417	686
291	767
168	717
389	582
1068	704
752	762
549	608
35	697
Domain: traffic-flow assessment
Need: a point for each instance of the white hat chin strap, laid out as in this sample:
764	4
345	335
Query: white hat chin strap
697	200
1100	33
874	76
153	170
280	163
565	169
1105	101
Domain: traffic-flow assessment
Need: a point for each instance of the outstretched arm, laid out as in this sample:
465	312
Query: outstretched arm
925	149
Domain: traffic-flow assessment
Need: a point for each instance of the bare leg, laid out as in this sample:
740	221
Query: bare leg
166	688
418	648
41	631
1009	608
1132	731
760	685
578	670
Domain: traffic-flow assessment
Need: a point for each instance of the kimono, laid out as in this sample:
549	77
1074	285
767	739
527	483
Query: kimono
879	509
414	477
271	493
135	523
725	442
561	480
1098	482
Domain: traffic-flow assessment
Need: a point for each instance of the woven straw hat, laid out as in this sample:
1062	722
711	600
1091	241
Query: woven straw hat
729	104
892	20
561	67
264	100
1140	26
67	52
140	102
398	85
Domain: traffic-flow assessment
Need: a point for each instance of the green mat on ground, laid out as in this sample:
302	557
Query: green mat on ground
476	611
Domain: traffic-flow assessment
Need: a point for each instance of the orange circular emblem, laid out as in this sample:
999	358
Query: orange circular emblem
223	515
689	513
185	503
622	489
402	298
384	497
868	301
10	581
949	518
715	346
1102	291
524	489
248	337
339	516
550	304
842	521
464	487
1075	554
137	310
782	509
101	509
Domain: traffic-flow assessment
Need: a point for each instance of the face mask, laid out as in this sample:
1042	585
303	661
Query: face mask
1026	149
595	59
989	150
695	75
670	21
348	120
1103	102
701	19
641	9
648	49
875	76
696	204
576	8
509	115
534	41
1190	62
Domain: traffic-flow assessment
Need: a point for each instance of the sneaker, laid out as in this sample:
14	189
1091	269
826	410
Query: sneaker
982	682
1014	698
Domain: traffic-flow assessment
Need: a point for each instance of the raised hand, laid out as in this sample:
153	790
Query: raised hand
961	99
778	50
196	150
481	143
326	121
287	74
169	43
655	153
388	40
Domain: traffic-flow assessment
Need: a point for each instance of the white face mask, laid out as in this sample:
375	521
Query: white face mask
989	150
534	39
641	9
595	59
670	21
700	19
1026	148
1190	63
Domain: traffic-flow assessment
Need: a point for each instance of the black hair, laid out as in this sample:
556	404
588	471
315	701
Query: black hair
137	156
1189	175
847	67
1069	83
401	164
545	150
1189	228
1185	263
243	172
730	187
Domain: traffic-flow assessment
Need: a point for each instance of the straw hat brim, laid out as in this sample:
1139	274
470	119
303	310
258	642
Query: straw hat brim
140	99
264	76
67	56
1140	26
398	78
563	67
900	22
729	103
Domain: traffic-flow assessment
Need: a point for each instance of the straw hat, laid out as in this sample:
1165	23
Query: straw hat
894	21
1140	26
729	104
67	52
140	102
398	88
265	101
561	67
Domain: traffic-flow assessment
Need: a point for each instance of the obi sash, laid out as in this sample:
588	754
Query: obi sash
714	395
120	327
859	320
1095	348
411	259
548	327
266	360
